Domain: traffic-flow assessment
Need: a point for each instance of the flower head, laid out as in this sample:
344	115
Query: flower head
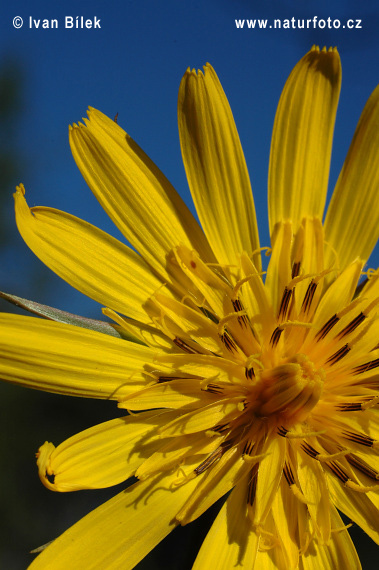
259	382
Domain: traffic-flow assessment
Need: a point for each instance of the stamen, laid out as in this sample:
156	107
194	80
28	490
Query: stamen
366	367
213	457
338	471
323	457
361	488
184	346
352	325
301	435
309	450
327	327
170	378
228	341
358	438
249	372
275	337
341	528
209	315
213	388
220	428
287	471
295	269
248	447
242	318
350	407
338	355
282	431
363	467
311	290
284	304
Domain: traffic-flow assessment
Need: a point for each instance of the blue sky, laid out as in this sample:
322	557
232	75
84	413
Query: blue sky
132	66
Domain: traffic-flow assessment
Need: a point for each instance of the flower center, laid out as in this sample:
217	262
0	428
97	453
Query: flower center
288	392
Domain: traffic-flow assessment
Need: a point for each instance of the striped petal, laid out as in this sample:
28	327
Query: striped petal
352	221
69	360
122	531
215	167
87	258
101	456
302	139
134	193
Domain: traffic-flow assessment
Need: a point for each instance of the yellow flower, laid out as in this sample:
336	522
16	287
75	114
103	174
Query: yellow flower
262	383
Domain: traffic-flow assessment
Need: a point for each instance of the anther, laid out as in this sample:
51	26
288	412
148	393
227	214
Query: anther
338	471
242	318
358	438
211	316
295	269
282	431
228	341
213	457
275	337
249	372
311	290
352	325
184	346
327	327
363	467
349	407
366	367
213	389
284	304
337	356
287	471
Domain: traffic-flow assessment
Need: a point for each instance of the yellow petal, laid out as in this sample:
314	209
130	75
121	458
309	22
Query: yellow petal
172	394
65	359
356	506
313	485
269	475
205	417
231	541
352	221
172	453
101	456
338	553
87	258
214	484
193	324
335	299
118	534
302	139
216	167
279	268
285	514
134	193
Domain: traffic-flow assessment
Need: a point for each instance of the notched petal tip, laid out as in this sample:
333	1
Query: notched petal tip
20	191
43	463
325	61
